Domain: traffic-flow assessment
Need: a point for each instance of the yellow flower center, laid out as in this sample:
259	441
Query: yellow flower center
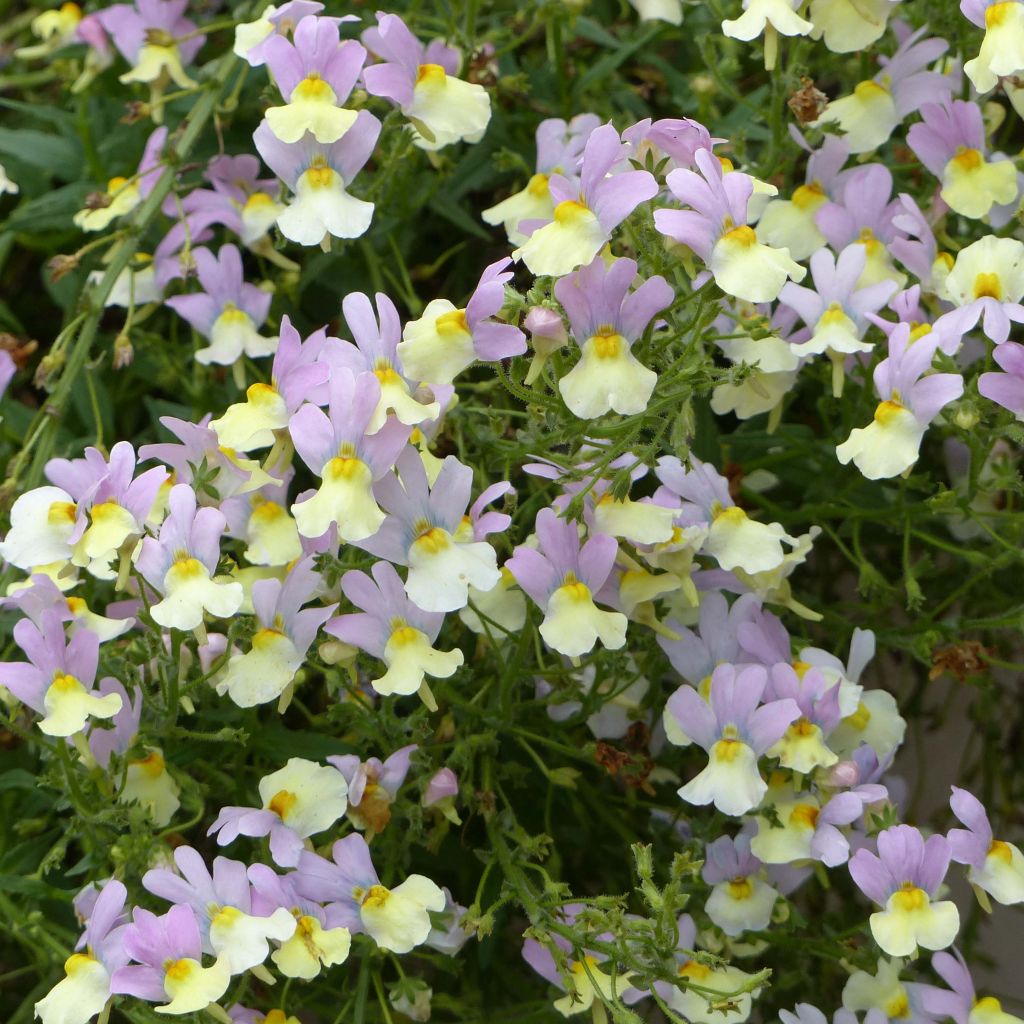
282	803
989	1004
569	212
743	235
918	331
693	970
152	764
257	199
343	467
898	1008
886	412
860	718
909	898
376	897
452	323
607	342
537	186
178	970
988	286
77	962
804	816
320	176
807	197
63	683
1001	850
231	314
868	91
61	511
313	89
968	159
998	13
186	567
433	540
740	888
404	635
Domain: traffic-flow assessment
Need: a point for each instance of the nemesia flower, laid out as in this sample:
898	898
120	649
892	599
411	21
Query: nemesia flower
547	336
181	562
168	951
607	318
55	28
1006	388
43	522
338	447
987	283
228	312
950	142
251	37
104	743
441	791
57	680
420	80
883	991
803	747
716	228
947	329
299	800
559	148
848	26
99	54
1002	50
562	578
740	901
675	139
123	195
836	309
422	531
319	175
870	114
148	783
919	252
586	213
223	907
735	731
890	444
85	988
995	866
278	648
392	628
959	1003
397	919
7	187
373	786
669	11
770	17
904	878
446	340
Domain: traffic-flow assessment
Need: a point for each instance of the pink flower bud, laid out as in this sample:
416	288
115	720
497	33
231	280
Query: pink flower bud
443	785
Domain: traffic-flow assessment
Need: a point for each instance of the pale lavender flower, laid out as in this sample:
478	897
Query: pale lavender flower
1002	50
449	936
392	628
319	175
960	1002
803	747
180	564
562	577
947	329
339	448
104	743
740	899
424	530
8	369
373	786
677	138
904	878
735	729
1006	388
993	865
586	213
443	785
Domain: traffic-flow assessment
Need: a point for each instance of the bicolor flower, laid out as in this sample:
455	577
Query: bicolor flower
904	878
148	783
319	176
771	18
278	648
607	319
373	786
420	80
587	211
44	526
228	312
392	628
593	979
54	28
1002	50
223	907
315	74
959	1003
995	866
803	747
299	800
910	399
168	951
445	340
1006	388
987	283
950	142
423	531
180	565
251	37
883	991
740	900
735	729
57	680
850	25
716	228
563	577
397	919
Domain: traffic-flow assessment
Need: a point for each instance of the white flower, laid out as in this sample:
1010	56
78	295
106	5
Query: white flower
737	541
741	904
189	592
971	185
306	796
573	623
148	782
79	996
310	947
912	919
410	657
441	570
748	269
69	706
445	109
345	498
849	25
731	780
42	520
868	116
322	207
607	378
1002	49
190	987
243	940
572	239
263	672
398	919
887	446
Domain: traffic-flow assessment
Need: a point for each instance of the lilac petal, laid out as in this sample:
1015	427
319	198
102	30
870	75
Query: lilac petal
697	719
534	574
596	560
871	876
142	982
768	723
540	959
934	864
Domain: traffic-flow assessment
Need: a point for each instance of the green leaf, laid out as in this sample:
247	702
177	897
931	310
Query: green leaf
49	212
50	153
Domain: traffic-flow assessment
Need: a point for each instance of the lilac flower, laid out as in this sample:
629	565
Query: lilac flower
57	680
315	74
1002	50
803	747
312	946
373	786
890	444
733	539
396	919
319	175
446	340
994	866
959	1003
222	904
449	936
251	38
377	340
836	309
422	530
948	329
338	447
904	878
420	80
950	142
607	319
987	283
168	952
878	105
278	648
716	228
40	595
103	743
1006	388
86	986
392	628
562	578
740	900
299	800
559	148
586	213
228	312
297	374
677	138
181	563
735	731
